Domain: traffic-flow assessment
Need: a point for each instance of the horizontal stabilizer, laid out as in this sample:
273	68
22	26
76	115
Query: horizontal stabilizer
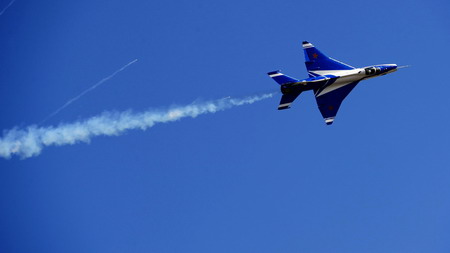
287	99
281	78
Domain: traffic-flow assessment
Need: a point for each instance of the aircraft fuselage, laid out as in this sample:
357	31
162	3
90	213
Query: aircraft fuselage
330	79
335	79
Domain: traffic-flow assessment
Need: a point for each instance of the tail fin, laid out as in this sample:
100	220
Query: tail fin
280	78
316	60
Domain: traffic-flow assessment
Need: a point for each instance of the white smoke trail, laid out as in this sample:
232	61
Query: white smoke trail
30	141
10	3
86	91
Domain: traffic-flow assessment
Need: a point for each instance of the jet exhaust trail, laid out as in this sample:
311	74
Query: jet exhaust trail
9	5
70	101
31	140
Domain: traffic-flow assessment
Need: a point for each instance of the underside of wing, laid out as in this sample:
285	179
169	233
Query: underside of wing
330	102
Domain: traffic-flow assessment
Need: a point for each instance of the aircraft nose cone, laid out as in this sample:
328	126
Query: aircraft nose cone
390	67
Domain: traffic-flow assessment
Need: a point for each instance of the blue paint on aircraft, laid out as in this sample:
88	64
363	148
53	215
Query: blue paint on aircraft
330	79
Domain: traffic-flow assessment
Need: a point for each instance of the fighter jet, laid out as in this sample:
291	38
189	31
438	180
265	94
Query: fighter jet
330	79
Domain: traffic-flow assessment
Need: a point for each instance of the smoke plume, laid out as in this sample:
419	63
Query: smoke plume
31	140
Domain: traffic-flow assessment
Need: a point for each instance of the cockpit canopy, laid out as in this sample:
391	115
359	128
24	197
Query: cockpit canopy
372	70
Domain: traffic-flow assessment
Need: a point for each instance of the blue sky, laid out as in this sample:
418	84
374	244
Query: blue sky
247	179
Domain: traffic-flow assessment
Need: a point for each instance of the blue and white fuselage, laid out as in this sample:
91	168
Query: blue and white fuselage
331	81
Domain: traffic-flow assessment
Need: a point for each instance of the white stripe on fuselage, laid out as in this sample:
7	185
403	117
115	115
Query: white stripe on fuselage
337	72
345	77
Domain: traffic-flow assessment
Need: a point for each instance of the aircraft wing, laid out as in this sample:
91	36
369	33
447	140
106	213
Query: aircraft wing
330	102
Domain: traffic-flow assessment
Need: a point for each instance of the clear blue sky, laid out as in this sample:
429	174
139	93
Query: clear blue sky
249	179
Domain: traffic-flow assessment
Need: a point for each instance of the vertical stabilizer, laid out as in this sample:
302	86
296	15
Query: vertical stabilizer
316	60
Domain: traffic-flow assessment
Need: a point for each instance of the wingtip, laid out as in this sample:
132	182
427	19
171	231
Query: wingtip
283	107
329	121
307	44
273	72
